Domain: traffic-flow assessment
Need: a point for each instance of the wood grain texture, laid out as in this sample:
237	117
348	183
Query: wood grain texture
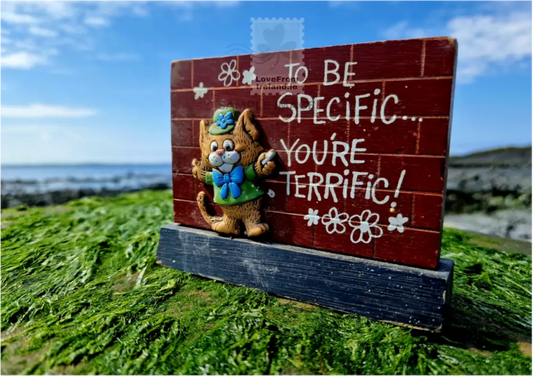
182	134
180	75
314	59
189	107
183	186
440	56
422	97
403	58
424	174
394	293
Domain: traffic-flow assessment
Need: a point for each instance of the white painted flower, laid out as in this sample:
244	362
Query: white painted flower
334	221
248	76
365	227
396	223
229	73
312	217
199	91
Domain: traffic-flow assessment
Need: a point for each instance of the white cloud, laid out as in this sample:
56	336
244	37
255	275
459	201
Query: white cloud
29	27
17	18
493	38
37	110
487	42
402	30
96	21
22	60
72	29
42	32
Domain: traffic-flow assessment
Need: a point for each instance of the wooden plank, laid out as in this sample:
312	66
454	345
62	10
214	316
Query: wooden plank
183	186
440	56
182	134
383	291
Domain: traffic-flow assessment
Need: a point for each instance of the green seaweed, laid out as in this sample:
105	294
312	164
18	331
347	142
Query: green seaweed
82	293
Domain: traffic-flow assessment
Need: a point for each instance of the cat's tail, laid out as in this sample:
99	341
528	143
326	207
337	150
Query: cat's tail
225	225
210	219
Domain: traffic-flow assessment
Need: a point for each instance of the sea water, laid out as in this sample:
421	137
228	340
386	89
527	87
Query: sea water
49	178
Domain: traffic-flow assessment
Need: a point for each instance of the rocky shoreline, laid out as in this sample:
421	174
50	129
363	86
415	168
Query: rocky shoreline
490	192
57	191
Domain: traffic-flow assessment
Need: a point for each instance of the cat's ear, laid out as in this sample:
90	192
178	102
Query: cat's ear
246	124
204	129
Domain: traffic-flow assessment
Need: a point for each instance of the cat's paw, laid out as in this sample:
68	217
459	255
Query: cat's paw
265	164
197	171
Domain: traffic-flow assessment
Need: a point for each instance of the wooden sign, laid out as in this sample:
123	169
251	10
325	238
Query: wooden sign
288	165
356	138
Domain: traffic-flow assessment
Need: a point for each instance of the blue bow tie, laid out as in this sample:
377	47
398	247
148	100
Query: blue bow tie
231	180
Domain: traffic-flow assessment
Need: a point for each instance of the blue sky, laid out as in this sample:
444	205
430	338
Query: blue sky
89	82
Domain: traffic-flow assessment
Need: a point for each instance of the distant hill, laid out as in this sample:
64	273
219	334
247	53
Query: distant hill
501	157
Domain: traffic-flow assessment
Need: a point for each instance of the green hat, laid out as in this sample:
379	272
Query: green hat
223	121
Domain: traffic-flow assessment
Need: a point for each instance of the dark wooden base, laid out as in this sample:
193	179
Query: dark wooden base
398	294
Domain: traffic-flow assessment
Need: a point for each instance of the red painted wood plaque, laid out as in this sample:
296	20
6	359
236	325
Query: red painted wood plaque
360	135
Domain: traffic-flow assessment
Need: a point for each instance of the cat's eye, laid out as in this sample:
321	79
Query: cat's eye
214	146
228	145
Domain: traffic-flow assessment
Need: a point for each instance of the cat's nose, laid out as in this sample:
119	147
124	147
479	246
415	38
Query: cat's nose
220	152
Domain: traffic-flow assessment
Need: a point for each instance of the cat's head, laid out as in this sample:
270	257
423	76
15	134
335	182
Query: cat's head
227	142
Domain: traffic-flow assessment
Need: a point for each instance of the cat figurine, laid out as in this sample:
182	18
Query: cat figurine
233	161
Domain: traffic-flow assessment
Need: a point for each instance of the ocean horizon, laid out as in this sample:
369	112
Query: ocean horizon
43	172
36	179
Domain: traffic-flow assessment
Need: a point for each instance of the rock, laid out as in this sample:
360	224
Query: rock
513	224
55	191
